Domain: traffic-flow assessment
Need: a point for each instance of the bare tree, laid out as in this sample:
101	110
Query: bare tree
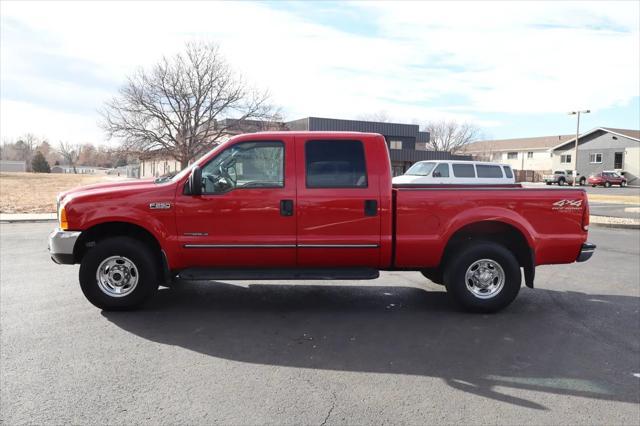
177	107
70	154
450	135
379	116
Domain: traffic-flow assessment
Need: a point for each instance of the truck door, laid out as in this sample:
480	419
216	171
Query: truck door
245	215
338	219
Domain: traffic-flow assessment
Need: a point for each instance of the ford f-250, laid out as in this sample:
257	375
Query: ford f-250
312	205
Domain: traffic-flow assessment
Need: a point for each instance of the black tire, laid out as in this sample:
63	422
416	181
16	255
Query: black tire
433	275
147	271
561	182
607	184
623	184
456	269
593	186
582	181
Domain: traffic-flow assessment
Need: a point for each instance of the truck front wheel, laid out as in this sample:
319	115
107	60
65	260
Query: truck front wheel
483	277
119	273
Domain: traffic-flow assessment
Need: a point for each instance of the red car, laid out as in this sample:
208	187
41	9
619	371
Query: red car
607	179
311	206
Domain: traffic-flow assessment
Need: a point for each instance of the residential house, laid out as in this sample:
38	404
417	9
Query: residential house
599	149
523	154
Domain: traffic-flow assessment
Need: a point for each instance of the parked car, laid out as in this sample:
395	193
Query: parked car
562	177
312	205
457	172
607	178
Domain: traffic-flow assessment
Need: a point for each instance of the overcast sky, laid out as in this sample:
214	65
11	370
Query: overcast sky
514	69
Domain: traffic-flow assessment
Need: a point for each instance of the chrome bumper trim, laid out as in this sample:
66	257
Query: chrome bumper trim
586	252
62	242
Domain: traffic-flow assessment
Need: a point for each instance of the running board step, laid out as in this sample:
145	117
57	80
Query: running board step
211	274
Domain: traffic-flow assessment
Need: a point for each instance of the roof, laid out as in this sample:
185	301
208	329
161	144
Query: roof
519	144
633	134
629	133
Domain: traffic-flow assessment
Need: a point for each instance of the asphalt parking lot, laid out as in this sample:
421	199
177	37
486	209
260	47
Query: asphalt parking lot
388	351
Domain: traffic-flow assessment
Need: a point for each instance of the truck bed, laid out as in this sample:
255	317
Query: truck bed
426	217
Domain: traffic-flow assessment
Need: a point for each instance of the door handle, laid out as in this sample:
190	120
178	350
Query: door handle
370	207
286	207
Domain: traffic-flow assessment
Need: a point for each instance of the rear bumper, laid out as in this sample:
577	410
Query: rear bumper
61	244
586	252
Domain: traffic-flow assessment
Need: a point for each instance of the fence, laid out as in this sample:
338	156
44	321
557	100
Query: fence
529	175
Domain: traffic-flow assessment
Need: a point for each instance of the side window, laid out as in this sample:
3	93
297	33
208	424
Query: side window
463	170
245	165
335	164
442	170
507	171
486	171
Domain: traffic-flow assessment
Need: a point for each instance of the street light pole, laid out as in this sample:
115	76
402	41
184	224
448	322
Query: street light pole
576	181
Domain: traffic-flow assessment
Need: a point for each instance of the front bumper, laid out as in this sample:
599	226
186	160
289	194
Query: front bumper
61	244
586	252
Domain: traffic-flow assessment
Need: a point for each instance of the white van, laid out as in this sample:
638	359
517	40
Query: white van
457	172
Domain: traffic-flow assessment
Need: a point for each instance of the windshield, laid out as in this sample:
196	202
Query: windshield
176	176
420	169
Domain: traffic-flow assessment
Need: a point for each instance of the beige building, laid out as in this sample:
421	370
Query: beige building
533	154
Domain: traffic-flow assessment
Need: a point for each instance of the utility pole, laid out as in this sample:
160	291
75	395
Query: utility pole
576	181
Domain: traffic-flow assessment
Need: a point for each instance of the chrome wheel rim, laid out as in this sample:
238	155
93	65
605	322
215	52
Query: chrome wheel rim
117	276
484	278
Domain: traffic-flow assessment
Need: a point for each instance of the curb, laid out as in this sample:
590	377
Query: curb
615	225
28	220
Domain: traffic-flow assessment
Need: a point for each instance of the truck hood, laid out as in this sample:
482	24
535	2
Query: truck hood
107	186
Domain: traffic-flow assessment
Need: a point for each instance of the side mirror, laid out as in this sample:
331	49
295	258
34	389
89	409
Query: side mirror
195	181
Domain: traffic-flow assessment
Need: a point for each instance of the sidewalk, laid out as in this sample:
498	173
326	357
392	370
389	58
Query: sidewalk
27	217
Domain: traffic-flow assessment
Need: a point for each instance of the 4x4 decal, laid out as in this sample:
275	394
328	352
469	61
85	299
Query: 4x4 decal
567	205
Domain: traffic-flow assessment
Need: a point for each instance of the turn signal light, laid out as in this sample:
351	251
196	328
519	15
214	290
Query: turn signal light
63	219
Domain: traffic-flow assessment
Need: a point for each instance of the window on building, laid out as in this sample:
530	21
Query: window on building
463	170
565	158
530	154
486	171
618	160
245	165
335	164
442	170
595	158
395	144
512	155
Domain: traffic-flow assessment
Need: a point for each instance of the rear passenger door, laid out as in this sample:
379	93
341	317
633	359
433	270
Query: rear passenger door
338	219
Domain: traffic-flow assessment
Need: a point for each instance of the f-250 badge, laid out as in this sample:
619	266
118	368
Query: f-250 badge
567	205
159	206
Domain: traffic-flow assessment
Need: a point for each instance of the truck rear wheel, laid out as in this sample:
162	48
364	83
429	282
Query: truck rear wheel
483	277
120	273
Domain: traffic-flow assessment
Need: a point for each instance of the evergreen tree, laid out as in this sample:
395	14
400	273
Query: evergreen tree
39	164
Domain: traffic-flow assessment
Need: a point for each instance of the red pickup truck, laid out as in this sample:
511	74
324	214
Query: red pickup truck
312	205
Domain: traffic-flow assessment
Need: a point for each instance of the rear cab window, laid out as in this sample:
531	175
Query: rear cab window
335	164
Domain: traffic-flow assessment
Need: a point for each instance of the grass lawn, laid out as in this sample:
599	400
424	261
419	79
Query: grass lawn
36	192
